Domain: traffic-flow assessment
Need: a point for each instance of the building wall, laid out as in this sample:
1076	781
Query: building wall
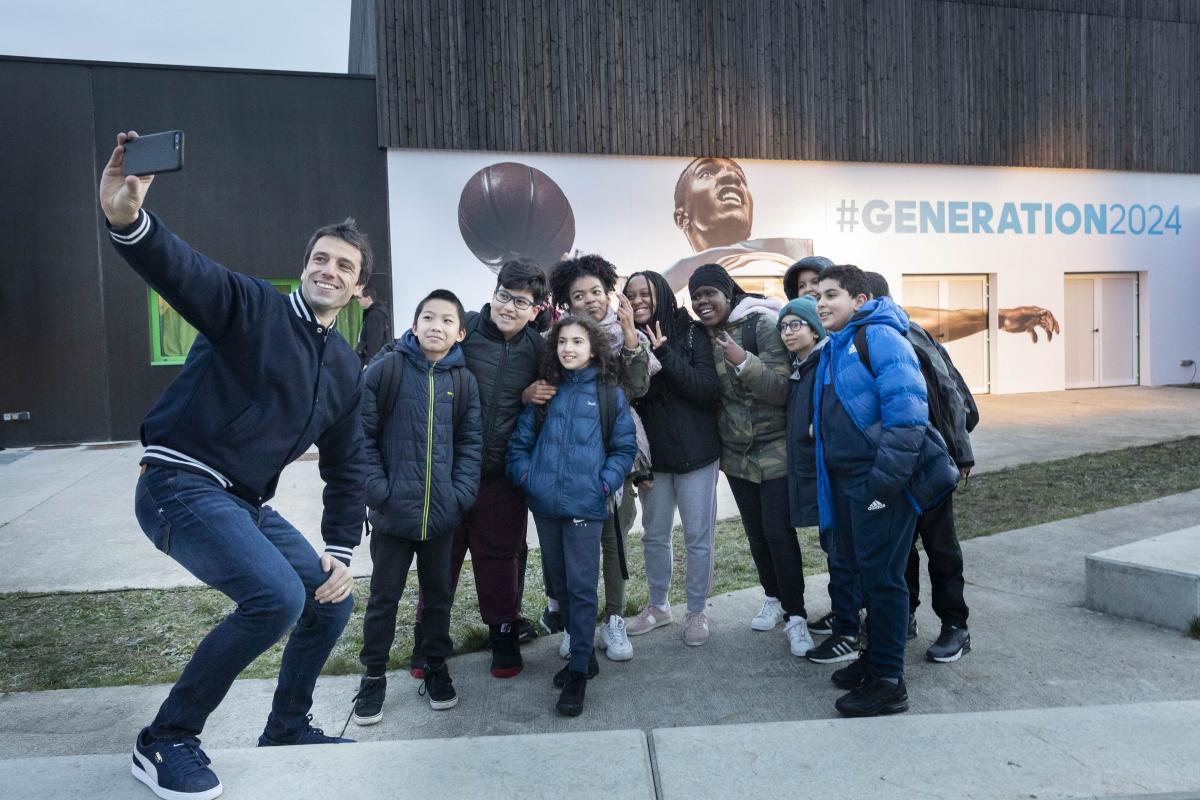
623	208
268	158
1103	84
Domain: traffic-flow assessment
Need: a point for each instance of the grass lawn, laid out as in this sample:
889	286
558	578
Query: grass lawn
70	640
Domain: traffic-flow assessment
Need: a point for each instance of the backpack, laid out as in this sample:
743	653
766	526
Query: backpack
393	375
750	334
938	397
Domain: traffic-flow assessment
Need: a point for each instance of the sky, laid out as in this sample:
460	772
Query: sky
301	35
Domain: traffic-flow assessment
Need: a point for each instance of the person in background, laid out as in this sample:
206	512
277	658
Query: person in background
376	324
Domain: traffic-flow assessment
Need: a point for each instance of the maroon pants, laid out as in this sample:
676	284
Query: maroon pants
493	530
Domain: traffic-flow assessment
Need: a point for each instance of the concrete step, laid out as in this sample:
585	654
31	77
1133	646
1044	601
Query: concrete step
1135	750
1139	750
614	765
1154	580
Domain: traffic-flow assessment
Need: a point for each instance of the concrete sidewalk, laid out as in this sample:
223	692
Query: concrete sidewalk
67	524
1035	646
1135	750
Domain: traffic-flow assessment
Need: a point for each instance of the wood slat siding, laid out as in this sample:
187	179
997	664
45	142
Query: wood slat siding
1101	84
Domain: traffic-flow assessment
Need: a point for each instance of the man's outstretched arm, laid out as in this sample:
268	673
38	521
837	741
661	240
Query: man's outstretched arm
206	294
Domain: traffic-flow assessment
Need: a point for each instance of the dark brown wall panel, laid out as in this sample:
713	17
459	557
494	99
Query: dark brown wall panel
1108	84
52	353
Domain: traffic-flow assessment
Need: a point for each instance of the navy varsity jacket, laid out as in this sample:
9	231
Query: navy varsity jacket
263	381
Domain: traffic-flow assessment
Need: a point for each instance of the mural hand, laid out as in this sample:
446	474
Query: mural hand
1027	319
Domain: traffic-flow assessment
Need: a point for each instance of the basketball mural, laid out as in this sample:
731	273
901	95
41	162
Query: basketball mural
508	210
992	293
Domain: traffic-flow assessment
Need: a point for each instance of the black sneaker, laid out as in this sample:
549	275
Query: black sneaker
823	626
951	645
570	702
873	698
177	770
309	735
525	631
439	688
368	703
550	621
417	665
833	650
560	677
853	675
506	650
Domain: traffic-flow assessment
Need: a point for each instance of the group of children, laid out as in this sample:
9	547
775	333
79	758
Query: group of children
817	412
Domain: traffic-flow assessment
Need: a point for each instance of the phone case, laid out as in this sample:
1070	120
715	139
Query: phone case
154	153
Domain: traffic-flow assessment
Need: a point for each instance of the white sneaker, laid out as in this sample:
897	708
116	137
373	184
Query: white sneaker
770	615
613	639
799	639
564	647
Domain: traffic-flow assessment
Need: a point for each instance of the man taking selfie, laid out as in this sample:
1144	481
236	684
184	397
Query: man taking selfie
266	378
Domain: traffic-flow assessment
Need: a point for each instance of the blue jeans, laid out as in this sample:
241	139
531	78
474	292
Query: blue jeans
571	554
257	559
871	548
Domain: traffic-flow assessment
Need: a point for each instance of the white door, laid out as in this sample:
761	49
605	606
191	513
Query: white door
1100	329
956	310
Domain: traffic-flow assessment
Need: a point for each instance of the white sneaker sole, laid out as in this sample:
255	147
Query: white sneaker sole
365	721
755	624
658	624
443	705
949	659
143	775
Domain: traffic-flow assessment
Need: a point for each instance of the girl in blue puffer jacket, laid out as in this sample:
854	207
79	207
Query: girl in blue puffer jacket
571	478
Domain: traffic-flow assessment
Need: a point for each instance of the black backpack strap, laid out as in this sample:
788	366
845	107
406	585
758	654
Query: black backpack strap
540	412
389	384
458	376
606	396
750	334
860	345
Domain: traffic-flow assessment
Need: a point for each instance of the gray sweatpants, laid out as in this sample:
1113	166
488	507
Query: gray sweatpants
695	495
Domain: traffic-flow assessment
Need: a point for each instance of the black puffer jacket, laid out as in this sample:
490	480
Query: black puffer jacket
503	369
680	410
422	465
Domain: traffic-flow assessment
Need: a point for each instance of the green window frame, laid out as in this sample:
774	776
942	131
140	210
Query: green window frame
171	337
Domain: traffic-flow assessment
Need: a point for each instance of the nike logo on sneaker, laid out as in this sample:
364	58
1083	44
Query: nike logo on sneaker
876	506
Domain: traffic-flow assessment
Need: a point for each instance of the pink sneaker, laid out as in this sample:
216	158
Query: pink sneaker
695	628
651	617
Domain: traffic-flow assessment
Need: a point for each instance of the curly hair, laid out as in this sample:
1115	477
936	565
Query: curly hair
602	355
567	272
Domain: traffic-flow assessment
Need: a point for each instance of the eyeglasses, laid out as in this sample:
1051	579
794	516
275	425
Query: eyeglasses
792	326
519	303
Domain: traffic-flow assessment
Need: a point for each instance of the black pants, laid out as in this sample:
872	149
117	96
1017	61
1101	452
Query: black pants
392	556
935	529
773	543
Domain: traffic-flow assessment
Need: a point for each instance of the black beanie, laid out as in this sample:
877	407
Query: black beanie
714	275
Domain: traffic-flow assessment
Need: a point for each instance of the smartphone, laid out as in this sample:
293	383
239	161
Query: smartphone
154	153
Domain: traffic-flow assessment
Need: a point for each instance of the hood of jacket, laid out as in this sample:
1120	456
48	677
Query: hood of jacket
754	305
410	348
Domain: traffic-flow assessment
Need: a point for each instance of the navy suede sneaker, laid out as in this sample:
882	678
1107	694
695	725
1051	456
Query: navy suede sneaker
174	770
309	735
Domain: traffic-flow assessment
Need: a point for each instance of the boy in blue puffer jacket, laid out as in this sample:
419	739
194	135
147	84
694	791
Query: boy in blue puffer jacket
572	477
424	448
869	430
